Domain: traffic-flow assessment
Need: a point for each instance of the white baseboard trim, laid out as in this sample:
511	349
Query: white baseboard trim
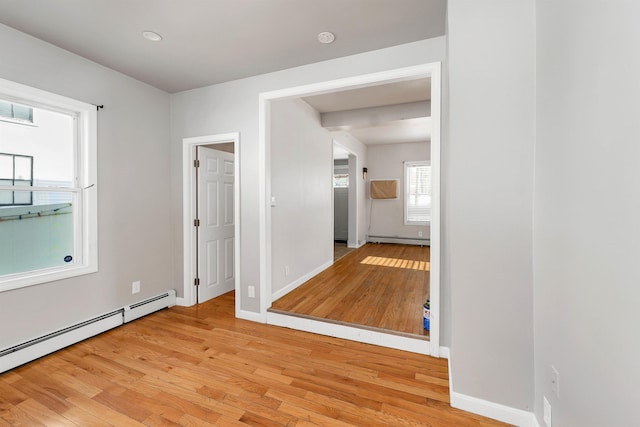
445	352
399	240
291	286
181	302
250	315
493	410
350	333
356	245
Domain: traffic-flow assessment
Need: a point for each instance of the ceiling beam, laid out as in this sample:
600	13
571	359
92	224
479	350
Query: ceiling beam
375	116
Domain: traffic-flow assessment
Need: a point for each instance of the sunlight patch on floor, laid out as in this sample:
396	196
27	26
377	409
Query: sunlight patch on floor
397	263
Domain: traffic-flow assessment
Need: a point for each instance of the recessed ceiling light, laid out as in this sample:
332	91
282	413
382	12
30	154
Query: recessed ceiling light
326	37
151	35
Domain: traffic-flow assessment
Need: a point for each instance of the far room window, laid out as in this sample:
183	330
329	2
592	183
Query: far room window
48	191
417	201
341	180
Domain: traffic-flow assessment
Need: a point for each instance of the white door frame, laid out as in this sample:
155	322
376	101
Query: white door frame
352	197
189	211
432	70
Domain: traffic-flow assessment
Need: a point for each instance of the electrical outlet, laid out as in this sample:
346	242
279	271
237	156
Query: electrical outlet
135	287
555	381
547	412
286	270
252	291
419	233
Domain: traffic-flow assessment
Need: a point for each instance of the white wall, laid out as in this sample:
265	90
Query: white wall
586	283
134	212
488	170
341	214
301	182
233	107
386	161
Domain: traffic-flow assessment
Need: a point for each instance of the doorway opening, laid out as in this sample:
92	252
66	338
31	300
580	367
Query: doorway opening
430	71
211	212
345	207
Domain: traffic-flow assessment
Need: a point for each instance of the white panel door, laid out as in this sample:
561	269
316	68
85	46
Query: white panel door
216	230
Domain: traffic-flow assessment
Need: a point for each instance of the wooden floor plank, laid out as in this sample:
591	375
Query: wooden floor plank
45	415
350	291
204	367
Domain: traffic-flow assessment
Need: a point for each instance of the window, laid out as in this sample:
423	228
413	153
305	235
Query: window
17	171
16	112
417	201
48	216
341	180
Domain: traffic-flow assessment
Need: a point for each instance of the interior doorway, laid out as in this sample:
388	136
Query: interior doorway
345	208
211	207
431	71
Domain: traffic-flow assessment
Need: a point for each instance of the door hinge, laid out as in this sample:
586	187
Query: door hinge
196	163
196	222
196	281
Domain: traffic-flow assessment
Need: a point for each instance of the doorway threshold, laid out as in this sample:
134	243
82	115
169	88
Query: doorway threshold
350	331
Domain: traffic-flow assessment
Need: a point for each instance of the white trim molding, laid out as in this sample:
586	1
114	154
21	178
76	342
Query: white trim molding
189	213
291	286
383	339
433	71
250	315
357	245
486	408
493	410
445	354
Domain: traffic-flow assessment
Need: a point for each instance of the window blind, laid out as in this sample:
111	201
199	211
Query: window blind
418	192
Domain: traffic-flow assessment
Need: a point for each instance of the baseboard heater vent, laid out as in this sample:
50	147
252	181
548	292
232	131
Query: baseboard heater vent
401	240
41	346
142	308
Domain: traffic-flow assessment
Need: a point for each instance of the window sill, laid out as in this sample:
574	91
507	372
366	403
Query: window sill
23	280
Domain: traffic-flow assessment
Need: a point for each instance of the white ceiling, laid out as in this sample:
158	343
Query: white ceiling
212	41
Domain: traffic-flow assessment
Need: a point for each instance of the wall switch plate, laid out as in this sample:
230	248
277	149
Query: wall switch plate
252	291
547	412
286	270
555	381
135	287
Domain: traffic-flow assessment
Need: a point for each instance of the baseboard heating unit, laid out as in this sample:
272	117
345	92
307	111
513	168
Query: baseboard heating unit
41	346
400	240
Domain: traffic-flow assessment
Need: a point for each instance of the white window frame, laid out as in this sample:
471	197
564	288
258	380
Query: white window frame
340	175
407	165
84	189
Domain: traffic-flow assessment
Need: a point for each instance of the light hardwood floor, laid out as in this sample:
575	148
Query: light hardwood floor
200	366
378	286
